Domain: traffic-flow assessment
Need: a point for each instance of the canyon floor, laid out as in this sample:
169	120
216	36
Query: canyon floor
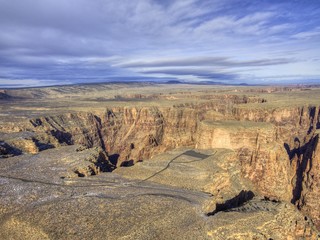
160	161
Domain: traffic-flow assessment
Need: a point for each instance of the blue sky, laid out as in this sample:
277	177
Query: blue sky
46	42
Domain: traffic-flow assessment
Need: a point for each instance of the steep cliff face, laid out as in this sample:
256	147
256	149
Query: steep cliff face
291	175
268	168
306	181
132	133
71	128
234	134
138	133
127	134
264	151
262	158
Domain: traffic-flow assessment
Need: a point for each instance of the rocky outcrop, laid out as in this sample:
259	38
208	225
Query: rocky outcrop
16	143
8	151
94	163
64	162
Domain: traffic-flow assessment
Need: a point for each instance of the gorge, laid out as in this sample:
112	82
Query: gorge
145	161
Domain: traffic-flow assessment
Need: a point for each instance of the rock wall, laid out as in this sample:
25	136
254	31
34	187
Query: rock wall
81	128
127	134
263	159
234	134
268	168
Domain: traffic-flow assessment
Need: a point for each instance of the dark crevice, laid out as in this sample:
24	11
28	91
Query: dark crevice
36	122
128	163
99	126
270	200
114	158
62	137
79	173
42	146
296	151
103	163
237	201
8	151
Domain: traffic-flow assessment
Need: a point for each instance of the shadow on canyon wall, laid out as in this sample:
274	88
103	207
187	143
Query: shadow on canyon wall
301	157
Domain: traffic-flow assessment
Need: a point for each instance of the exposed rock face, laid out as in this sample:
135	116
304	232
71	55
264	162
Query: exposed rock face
72	128
268	168
263	160
131	133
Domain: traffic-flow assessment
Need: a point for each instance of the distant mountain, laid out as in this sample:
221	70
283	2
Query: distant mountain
205	83
174	82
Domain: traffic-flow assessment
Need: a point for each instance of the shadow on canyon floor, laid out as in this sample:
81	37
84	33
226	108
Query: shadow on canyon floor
237	201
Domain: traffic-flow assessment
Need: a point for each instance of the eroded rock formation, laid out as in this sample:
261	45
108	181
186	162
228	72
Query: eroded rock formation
219	147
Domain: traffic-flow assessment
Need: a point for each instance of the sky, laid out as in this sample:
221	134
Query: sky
50	42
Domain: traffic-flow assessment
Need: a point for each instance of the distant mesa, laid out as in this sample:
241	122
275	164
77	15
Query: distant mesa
204	83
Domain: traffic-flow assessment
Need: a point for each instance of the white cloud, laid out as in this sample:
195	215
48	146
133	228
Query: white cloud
308	34
279	28
5	82
251	24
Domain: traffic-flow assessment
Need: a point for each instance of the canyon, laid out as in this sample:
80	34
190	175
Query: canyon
160	161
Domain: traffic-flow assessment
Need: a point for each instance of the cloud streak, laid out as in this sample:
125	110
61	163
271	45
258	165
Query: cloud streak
204	61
